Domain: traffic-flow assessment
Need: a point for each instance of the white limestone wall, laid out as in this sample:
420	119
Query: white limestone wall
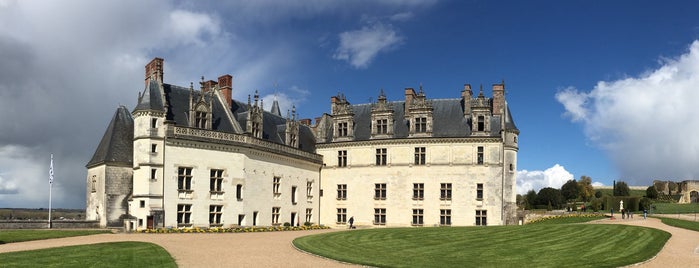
446	162
95	208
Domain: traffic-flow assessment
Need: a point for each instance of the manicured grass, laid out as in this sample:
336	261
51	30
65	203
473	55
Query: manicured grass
10	236
674	208
690	225
539	245
118	254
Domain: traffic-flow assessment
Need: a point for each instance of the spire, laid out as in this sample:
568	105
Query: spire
275	107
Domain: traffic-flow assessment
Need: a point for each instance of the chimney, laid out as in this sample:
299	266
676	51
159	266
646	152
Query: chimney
154	70
499	99
305	122
226	84
334	100
209	85
466	96
409	96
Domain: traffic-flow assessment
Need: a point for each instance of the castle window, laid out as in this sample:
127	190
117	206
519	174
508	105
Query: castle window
481	219
309	189
342	129
184	213
342	158
420	124
275	185
255	129
341	215
445	217
153	148
153	173
512	167
239	192
200	119
292	140
417	217
481	123
184	179
445	191
419	155
309	215
380	191
381	157
215	213
380	216
275	215
94	183
382	126
514	139
293	195
142	203
479	191
342	192
480	155
154	123
418	191
216	182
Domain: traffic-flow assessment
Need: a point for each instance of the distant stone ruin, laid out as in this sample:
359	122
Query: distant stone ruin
688	190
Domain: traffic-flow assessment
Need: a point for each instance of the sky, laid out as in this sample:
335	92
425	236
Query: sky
602	89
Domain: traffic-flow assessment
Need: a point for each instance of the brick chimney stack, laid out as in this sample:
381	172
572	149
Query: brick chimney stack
305	122
154	70
409	96
226	84
499	99
466	96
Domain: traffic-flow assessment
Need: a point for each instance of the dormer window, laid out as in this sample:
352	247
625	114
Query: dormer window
256	129
200	119
481	123
381	126
382	118
420	125
342	129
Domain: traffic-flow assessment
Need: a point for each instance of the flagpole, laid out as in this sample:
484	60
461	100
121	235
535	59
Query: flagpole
50	188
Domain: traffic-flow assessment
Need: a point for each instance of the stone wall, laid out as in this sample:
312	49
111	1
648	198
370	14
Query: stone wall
63	224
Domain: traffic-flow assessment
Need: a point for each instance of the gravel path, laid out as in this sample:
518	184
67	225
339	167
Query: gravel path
274	249
682	250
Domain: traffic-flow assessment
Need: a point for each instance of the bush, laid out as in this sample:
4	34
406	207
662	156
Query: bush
287	224
307	223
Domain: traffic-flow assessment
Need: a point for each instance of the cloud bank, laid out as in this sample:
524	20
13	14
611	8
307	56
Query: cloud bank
554	177
647	124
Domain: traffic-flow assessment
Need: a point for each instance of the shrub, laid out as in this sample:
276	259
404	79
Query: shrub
307	224
287	224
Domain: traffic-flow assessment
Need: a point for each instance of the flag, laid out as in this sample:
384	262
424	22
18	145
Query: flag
51	171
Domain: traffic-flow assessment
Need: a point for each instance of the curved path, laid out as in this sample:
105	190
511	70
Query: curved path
274	249
264	249
682	250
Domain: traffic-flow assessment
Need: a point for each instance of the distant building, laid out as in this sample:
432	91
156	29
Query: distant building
186	157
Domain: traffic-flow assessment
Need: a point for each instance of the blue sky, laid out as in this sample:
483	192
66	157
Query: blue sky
601	89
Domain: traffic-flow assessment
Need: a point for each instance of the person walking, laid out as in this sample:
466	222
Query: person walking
645	213
351	221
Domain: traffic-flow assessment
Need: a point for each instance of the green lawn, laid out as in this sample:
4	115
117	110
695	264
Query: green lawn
690	225
10	236
674	208
538	245
118	254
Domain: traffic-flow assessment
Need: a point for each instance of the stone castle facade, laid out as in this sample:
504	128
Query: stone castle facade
186	157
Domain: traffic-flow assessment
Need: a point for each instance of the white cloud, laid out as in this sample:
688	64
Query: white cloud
403	16
287	99
647	124
597	184
553	177
360	47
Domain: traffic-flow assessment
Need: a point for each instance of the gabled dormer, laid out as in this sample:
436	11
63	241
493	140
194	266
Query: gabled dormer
382	118
418	112
255	113
200	108
292	129
343	117
481	111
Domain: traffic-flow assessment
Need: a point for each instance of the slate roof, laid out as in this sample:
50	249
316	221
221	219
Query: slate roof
151	99
116	145
448	120
177	102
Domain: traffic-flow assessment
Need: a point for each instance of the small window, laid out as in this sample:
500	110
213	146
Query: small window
215	213
239	192
142	203
480	155
481	218
341	215
479	191
481	123
184	214
420	124
153	174
512	167
420	155
342	129
515	139
380	216
153	148
445	217
380	191
309	215
275	215
184	180
275	185
418	191
342	192
293	195
140	222
381	157
418	217
381	126
154	123
445	191
216	181
342	158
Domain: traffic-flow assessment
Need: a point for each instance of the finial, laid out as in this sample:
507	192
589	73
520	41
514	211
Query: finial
191	85
381	94
293	112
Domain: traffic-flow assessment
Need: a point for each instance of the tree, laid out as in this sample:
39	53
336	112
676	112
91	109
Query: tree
570	190
550	196
531	199
598	194
621	189
651	192
586	188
